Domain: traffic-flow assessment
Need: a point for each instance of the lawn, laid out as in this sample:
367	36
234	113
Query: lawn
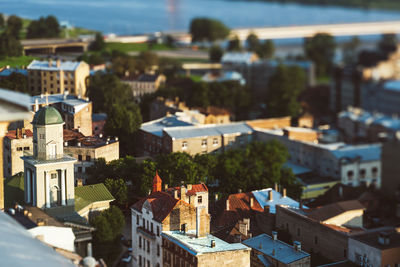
16	61
135	47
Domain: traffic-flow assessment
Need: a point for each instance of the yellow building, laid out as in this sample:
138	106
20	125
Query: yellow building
56	77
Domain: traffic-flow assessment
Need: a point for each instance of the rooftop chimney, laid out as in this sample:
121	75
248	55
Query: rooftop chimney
266	209
216	196
183	192
284	192
189	187
165	187
176	194
276	187
297	246
36	104
50	62
243	228
239	190
384	238
58	62
251	202
213	243
274	235
200	228
227	204
270	195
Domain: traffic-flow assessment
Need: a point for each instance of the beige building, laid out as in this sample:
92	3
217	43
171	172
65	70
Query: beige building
56	77
13	107
145	84
49	174
87	149
196	194
17	143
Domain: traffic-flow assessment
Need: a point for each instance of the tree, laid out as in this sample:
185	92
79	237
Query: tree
53	27
104	231
284	87
9	46
388	44
205	29
118	189
321	50
2	21
252	42
266	49
16	81
98	44
235	45
14	26
215	53
169	66
43	28
350	50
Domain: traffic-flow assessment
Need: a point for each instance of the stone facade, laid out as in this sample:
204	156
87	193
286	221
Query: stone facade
16	144
78	119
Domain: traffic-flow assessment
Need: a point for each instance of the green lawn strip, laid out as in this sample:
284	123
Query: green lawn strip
14	62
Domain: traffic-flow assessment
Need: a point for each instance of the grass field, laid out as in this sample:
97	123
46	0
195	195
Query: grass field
137	47
16	61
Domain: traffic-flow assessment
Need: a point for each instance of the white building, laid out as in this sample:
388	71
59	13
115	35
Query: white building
351	164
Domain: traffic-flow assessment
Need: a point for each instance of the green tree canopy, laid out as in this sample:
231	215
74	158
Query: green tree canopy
118	189
14	26
44	27
284	88
234	44
215	53
98	44
9	46
252	42
266	49
2	21
388	44
321	50
205	29
16	81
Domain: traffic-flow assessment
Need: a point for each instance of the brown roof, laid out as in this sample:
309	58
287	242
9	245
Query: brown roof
211	110
326	212
37	216
13	134
161	204
70	135
239	208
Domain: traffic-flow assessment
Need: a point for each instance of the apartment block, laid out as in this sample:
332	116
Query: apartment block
56	77
145	84
17	143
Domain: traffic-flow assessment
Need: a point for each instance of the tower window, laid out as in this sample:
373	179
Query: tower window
54	176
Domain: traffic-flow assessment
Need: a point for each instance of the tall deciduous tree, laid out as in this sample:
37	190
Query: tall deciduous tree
266	49
205	29
234	44
44	27
14	26
284	88
215	53
2	21
388	44
98	44
118	189
321	50
252	42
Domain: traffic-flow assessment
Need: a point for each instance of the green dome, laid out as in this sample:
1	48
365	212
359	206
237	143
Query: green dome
46	116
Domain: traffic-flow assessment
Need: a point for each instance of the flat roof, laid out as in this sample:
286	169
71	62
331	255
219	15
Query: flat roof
14	106
34	161
275	249
296	169
70	100
262	197
202	245
44	65
156	127
371	238
208	130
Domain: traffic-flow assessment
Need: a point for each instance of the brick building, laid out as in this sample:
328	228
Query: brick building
56	77
269	251
87	149
16	144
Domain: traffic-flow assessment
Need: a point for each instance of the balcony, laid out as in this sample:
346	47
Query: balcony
145	232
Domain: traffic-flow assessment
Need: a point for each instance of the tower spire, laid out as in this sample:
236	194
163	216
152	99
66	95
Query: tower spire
157	183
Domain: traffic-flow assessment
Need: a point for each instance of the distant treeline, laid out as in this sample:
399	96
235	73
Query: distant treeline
381	4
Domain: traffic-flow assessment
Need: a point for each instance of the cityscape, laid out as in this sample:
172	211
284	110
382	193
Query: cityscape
200	133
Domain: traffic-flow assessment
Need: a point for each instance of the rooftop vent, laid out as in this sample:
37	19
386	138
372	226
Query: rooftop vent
213	243
297	246
274	235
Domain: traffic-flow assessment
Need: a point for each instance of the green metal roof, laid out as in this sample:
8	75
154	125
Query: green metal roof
47	115
88	194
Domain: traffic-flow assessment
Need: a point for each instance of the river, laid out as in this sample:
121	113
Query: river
144	16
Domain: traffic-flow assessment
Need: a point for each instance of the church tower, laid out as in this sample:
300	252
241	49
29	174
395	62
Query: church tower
48	173
157	183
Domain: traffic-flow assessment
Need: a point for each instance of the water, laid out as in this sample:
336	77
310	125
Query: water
144	16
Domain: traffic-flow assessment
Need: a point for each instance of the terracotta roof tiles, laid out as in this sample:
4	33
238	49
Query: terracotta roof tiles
13	134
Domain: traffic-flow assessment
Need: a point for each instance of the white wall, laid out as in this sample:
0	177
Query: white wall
60	237
373	255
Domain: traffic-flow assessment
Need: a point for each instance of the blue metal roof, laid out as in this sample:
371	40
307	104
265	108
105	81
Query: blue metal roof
156	127
208	130
44	65
202	245
262	197
370	152
8	72
58	98
275	249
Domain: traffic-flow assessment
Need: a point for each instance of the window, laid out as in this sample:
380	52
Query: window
140	241
199	199
148	263
54	176
41	136
88	158
204	142
374	170
137	219
80	157
362	173
215	141
158	231
140	260
148	247
151	227
350	174
184	145
19	148
144	223
158	250
26	148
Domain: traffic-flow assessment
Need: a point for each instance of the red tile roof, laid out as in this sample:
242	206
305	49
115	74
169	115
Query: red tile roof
196	188
161	205
13	134
239	208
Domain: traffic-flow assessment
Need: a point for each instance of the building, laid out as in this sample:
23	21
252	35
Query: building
188	248
56	77
49	173
87	149
17	143
196	194
90	200
145	84
269	251
224	77
76	111
378	247
13	107
156	213
351	164
323	232
205	139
